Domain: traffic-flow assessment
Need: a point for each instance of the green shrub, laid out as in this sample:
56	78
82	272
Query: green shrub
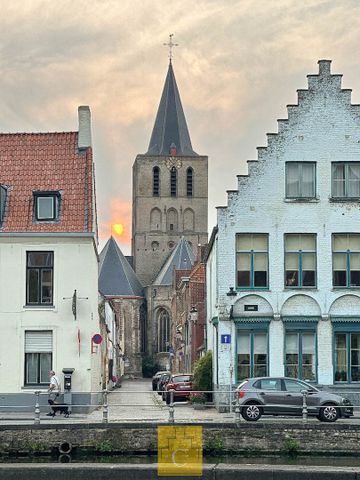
202	377
291	446
149	367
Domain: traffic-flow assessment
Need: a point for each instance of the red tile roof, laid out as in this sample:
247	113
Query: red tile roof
46	162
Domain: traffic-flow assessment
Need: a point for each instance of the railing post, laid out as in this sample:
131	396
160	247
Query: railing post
105	418
304	406
171	407
237	409
37	408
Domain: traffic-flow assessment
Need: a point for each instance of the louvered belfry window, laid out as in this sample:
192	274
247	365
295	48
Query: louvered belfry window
173	182
156	181
189	182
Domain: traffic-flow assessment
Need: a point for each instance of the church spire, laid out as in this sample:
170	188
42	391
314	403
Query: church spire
170	134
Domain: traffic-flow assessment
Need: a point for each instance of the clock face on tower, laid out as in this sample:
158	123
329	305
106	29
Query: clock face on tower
171	162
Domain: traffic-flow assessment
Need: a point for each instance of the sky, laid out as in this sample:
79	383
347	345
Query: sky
237	66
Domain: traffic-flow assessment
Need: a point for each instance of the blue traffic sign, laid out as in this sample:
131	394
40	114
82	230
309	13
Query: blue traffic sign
226	338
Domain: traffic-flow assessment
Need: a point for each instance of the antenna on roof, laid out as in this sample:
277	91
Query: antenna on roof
171	45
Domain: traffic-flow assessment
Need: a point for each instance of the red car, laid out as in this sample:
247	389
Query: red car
181	385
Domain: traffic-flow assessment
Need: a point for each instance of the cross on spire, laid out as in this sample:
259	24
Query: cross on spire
171	45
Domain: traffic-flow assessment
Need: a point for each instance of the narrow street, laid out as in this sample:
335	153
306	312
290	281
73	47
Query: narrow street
136	401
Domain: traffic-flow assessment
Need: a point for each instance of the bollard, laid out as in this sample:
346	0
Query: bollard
171	407
304	406
237	409
230	402
37	408
105	418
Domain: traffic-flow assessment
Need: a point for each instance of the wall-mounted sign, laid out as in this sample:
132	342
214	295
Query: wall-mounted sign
251	308
97	339
225	338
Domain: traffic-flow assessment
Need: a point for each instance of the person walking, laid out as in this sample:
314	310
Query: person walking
53	391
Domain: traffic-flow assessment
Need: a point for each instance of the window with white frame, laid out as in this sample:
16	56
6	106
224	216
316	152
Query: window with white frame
346	260
38	356
345	180
300	179
252	260
300	260
46	206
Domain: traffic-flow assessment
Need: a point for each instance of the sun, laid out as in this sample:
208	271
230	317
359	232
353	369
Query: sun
117	228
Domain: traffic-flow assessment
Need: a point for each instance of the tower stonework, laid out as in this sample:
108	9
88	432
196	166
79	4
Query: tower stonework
170	189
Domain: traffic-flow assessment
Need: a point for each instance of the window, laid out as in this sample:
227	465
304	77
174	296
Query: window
46	206
189	182
172	220
293	386
39	278
251	354
300	180
347	357
300	361
38	357
346	260
156	181
300	260
173	182
164	330
3	192
346	180
252	260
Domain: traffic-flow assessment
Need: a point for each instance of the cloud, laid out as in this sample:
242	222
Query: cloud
238	64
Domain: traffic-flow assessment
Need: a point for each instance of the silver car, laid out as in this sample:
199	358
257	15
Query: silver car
284	396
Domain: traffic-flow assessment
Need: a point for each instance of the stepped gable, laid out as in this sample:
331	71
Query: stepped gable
170	130
323	85
182	258
116	277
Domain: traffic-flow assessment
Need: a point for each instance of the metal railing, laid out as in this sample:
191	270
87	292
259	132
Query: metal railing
234	405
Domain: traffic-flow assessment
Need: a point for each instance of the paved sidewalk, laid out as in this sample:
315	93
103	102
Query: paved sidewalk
135	401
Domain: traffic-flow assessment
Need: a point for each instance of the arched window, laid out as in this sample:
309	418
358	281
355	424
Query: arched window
189	220
164	330
155	219
156	181
143	328
189	182
173	182
172	220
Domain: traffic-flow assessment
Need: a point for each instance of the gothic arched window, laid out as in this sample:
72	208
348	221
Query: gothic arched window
173	182
156	181
163	330
189	182
155	219
172	220
189	219
143	328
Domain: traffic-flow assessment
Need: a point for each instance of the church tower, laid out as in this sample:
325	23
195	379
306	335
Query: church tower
170	189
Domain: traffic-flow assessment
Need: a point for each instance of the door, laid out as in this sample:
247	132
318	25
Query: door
271	395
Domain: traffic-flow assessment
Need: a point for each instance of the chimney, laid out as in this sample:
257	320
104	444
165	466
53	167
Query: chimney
84	137
324	68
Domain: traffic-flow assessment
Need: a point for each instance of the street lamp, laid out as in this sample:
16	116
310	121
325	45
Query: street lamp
193	314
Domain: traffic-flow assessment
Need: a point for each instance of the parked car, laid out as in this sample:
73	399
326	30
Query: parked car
156	378
284	396
181	385
162	382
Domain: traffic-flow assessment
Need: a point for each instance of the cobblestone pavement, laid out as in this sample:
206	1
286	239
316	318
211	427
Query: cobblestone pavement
136	401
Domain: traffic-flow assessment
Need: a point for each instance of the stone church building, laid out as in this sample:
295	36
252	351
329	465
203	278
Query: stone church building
169	222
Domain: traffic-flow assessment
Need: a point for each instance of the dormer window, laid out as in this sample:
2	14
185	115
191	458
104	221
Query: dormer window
3	192
46	205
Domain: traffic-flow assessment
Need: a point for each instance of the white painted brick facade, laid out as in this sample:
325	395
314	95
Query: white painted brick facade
324	127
